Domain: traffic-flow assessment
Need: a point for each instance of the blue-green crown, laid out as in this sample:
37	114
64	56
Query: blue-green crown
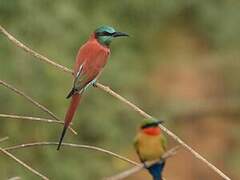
105	34
105	28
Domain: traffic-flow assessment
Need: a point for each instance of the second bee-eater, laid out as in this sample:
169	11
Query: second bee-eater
150	145
90	60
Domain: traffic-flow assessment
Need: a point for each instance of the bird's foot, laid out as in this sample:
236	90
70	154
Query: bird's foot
145	165
94	83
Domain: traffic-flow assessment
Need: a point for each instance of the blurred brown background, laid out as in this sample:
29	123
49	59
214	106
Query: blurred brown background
181	65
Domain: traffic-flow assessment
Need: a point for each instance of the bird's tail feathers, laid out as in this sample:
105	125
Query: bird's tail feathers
156	170
69	116
62	136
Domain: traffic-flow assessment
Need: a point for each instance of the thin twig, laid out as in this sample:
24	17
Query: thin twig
3	139
23	164
171	134
14	178
171	152
114	94
31	100
71	145
109	91
31	52
31	118
126	173
140	167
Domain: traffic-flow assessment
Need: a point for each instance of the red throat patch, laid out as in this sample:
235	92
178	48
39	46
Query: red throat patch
152	131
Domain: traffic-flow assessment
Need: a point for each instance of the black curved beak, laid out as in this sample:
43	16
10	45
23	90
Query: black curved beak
118	34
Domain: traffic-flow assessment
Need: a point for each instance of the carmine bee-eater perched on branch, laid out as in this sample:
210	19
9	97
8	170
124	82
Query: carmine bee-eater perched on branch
90	60
150	145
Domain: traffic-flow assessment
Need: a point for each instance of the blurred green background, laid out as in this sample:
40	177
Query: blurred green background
181	64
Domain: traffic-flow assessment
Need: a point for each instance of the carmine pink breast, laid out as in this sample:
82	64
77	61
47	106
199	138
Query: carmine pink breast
93	56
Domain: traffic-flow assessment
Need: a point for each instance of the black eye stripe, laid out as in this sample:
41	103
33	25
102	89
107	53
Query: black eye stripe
104	33
150	125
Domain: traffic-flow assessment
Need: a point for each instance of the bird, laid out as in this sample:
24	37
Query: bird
150	144
90	61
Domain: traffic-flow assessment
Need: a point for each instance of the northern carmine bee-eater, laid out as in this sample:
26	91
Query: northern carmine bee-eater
150	145
90	60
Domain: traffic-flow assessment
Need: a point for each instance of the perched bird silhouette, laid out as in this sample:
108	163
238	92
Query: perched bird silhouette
150	145
90	60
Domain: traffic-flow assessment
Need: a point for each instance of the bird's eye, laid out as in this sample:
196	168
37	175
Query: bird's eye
104	33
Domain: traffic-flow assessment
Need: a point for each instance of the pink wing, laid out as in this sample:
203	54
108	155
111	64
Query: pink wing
90	60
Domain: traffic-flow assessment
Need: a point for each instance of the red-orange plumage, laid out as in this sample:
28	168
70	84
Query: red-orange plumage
93	56
90	60
72	108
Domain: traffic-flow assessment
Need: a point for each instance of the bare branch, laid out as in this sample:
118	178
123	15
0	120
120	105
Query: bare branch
31	52
171	134
126	173
31	118
3	139
171	152
114	94
23	164
14	178
140	167
71	145
31	100
109	91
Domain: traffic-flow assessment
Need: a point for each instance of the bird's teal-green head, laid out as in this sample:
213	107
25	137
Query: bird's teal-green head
105	34
151	122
